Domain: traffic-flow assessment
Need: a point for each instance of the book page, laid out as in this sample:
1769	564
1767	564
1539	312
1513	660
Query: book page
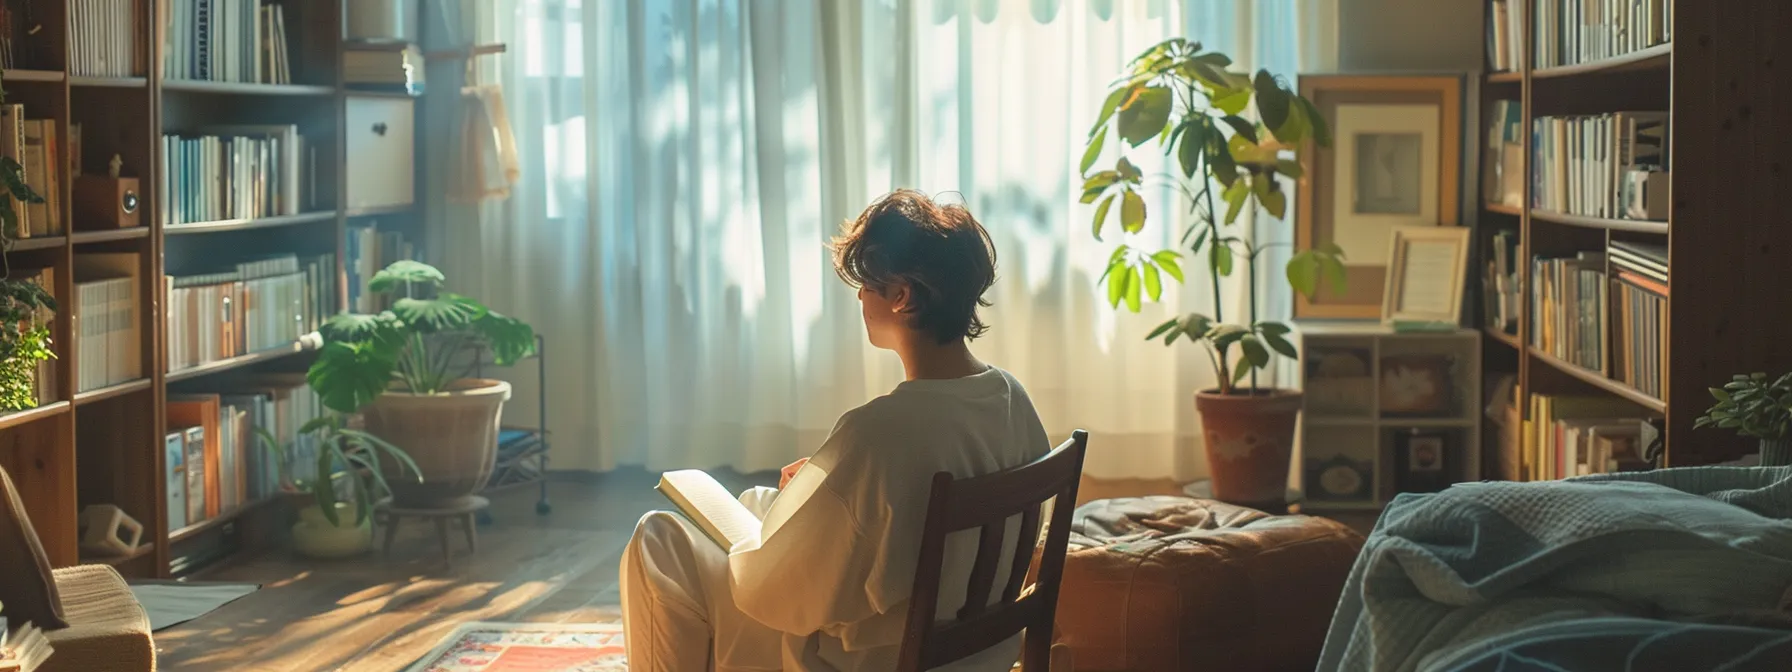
709	505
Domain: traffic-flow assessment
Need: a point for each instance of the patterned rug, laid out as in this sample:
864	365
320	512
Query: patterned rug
529	647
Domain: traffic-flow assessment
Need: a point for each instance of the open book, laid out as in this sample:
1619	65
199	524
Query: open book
709	505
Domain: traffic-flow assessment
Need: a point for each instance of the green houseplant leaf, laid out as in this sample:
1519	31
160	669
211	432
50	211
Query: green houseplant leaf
510	339
405	273
446	312
348	375
1144	115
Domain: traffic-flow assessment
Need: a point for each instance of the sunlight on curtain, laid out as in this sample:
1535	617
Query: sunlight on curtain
685	162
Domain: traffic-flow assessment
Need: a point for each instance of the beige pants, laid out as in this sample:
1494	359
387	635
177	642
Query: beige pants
678	611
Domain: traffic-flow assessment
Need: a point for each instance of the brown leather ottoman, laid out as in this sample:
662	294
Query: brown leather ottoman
1174	583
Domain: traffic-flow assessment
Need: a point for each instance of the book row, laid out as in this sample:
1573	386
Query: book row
256	306
216	458
234	172
1505	36
1567	436
1570	32
104	38
1500	283
1604	311
1609	165
226	41
1568	302
33	144
369	250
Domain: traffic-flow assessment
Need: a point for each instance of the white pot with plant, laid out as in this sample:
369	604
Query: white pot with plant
337	522
405	371
1234	138
1758	407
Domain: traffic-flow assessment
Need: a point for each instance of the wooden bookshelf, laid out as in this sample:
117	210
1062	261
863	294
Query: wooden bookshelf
105	445
1717	80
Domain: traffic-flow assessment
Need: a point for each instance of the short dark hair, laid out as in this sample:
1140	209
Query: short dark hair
940	251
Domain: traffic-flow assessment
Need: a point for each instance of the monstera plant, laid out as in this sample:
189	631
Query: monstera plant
405	370
1236	140
25	306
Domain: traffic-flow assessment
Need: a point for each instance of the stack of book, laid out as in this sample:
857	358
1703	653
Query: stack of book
1568	308
1584	164
105	38
1505	36
369	250
232	172
258	306
226	41
383	67
1503	172
1571	32
1639	314
1501	284
1570	436
33	143
107	324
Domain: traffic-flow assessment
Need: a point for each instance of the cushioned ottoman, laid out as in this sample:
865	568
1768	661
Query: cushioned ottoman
1174	583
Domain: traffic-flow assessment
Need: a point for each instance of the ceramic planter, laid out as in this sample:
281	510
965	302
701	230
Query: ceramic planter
1250	441
315	537
453	437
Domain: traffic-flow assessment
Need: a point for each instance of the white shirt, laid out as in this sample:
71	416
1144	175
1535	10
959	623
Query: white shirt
835	560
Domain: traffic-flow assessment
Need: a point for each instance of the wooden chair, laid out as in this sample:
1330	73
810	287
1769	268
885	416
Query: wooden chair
987	502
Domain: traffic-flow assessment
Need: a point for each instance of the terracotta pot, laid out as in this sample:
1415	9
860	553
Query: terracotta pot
1250	440
453	437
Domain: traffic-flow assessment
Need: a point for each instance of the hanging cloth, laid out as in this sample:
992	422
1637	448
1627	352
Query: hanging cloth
487	165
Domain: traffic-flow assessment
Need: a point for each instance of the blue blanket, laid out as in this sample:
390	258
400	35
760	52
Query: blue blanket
1484	571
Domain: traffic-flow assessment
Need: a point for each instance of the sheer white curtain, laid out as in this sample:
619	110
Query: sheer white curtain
685	162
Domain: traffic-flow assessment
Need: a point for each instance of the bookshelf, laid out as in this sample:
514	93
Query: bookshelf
1712	72
104	443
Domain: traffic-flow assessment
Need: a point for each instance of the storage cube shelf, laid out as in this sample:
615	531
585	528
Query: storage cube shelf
99	438
1385	412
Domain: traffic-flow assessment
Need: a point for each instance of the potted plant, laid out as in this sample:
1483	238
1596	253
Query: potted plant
25	306
1195	109
405	371
1756	407
337	521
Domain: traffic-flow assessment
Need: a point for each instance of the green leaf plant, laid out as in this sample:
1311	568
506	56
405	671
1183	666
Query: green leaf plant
1753	405
348	466
429	340
1234	137
25	307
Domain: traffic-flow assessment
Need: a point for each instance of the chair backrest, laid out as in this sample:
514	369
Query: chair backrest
987	502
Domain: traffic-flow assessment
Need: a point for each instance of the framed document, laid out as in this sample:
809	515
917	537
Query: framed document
1394	161
1427	266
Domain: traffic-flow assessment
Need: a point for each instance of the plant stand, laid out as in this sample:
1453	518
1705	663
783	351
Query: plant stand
523	451
388	516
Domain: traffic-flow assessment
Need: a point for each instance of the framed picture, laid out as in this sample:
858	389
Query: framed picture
1422	461
1395	161
1427	266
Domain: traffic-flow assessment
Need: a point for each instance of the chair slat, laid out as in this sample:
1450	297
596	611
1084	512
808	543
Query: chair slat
983	571
1023	554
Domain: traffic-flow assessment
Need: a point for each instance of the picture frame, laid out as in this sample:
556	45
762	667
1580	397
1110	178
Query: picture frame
1423	460
1427	270
1395	160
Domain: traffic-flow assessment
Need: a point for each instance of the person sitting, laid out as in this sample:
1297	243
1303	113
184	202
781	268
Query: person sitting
825	585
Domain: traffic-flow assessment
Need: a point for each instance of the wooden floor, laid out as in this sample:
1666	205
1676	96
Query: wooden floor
380	614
